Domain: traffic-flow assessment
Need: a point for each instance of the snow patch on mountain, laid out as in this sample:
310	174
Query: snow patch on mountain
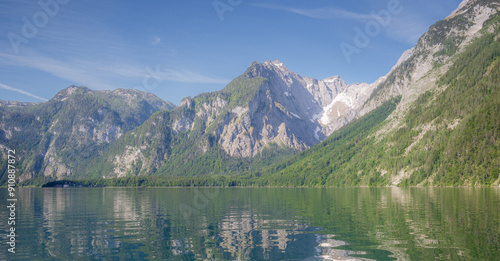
318	129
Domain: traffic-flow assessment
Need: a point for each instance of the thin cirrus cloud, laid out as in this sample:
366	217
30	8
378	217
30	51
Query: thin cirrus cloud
6	87
407	29
62	70
156	41
318	13
187	76
95	75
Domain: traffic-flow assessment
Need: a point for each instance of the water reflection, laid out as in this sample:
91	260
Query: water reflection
258	224
244	237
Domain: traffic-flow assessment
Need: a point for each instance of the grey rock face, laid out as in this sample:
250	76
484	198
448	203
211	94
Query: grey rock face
290	110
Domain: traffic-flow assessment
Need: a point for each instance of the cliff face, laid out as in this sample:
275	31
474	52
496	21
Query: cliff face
284	110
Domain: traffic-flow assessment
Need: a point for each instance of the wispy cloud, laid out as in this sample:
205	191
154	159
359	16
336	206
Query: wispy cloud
191	77
318	13
156	41
406	29
3	86
67	71
97	75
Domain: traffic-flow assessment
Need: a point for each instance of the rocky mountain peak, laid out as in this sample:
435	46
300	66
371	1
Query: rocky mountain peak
287	109
277	64
188	102
276	67
462	5
66	93
335	81
131	94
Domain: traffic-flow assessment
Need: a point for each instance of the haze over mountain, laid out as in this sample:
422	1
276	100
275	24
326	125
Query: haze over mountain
265	116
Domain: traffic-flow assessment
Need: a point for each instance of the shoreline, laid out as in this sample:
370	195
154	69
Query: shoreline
256	187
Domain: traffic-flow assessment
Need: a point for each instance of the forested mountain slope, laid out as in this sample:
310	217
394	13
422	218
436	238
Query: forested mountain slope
65	135
445	129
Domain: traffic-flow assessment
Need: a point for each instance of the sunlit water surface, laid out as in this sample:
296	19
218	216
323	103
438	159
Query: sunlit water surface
254	224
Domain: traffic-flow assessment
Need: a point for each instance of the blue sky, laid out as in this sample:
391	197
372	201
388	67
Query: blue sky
180	48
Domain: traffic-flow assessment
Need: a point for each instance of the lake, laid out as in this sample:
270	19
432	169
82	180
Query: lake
254	224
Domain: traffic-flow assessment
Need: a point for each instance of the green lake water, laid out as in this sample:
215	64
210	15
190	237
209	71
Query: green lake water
254	224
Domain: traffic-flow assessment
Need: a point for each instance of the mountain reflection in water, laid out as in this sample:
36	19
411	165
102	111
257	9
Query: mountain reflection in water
255	224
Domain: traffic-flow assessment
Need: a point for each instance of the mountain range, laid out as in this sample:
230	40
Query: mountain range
432	120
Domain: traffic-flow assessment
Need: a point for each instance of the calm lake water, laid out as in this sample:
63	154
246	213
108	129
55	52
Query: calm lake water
255	224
